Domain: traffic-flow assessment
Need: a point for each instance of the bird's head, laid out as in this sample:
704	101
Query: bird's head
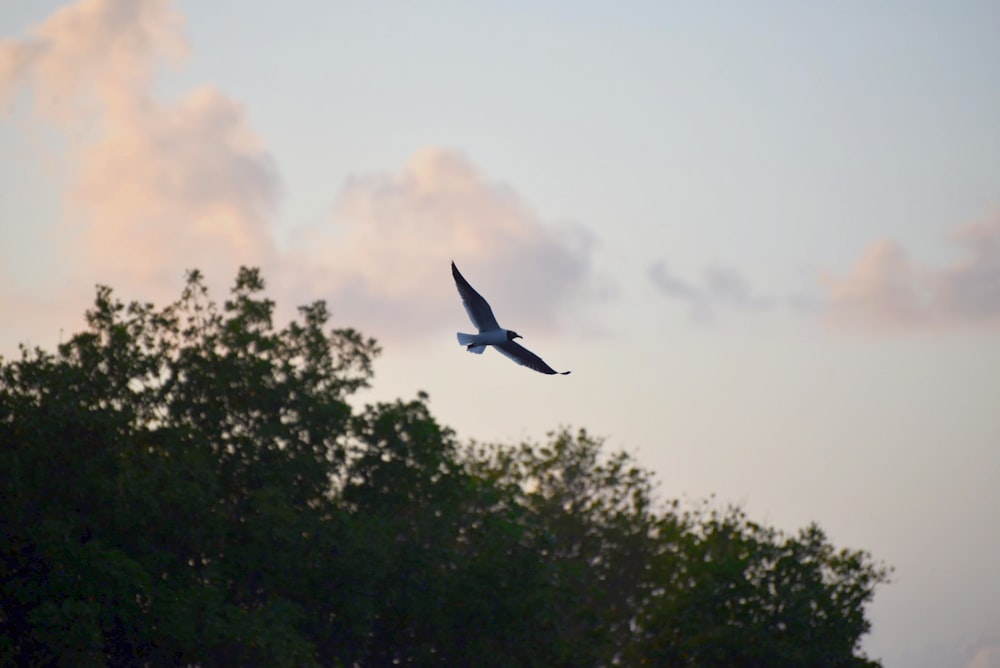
511	335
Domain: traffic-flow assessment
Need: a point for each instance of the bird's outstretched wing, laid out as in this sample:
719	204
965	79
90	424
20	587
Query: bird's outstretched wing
479	311
525	357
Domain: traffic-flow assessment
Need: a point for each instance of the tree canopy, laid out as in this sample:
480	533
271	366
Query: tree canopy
188	485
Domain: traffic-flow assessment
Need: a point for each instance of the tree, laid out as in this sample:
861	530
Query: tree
732	592
189	485
164	476
666	586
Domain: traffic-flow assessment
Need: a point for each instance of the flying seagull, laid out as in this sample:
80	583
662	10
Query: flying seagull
491	333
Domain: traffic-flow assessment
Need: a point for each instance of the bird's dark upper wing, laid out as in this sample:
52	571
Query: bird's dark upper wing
525	357
479	311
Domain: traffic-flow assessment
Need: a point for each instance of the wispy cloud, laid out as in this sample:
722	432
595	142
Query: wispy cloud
887	291
720	287
386	255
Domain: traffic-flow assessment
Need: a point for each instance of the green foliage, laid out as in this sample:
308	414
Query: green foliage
190	486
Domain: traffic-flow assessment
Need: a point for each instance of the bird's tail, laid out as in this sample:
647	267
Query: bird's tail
469	341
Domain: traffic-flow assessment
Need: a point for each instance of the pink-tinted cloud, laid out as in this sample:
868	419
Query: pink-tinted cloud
986	657
386	256
167	188
883	291
156	187
89	54
886	291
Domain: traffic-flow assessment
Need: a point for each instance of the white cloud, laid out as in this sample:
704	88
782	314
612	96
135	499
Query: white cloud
386	255
887	291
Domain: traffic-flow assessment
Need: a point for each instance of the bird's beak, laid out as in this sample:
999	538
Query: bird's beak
518	336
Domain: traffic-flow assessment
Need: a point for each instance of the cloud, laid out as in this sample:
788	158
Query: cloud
94	51
886	291
969	290
175	187
386	255
883	291
986	657
720	287
156	187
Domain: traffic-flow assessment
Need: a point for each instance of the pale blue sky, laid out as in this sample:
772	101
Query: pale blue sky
782	356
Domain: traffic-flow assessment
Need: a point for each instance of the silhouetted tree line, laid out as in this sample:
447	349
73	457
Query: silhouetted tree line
189	486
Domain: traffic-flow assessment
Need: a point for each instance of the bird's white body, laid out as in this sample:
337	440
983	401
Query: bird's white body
477	342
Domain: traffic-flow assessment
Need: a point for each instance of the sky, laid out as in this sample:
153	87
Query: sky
765	237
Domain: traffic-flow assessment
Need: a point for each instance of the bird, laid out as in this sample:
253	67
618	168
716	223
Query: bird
490	332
